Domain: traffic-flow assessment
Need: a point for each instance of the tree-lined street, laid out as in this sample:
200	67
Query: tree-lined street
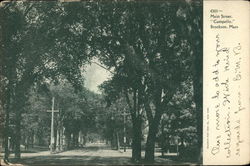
150	103
92	154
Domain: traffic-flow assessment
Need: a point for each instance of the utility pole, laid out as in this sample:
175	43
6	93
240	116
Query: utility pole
52	139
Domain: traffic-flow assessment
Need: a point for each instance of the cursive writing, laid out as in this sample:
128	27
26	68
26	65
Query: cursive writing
228	133
238	137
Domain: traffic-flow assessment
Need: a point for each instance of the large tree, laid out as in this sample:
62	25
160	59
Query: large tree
40	42
149	54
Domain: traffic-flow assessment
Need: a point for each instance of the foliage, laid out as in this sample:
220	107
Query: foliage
150	54
152	49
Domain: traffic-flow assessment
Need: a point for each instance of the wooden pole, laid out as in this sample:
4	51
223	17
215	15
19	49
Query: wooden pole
52	138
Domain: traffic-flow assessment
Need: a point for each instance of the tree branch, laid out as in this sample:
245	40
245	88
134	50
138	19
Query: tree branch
27	10
129	105
104	67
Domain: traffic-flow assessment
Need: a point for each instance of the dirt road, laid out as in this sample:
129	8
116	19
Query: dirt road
92	154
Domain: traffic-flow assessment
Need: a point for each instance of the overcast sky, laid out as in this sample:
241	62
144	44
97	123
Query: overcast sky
94	76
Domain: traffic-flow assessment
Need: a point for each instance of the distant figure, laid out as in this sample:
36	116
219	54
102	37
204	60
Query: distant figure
26	144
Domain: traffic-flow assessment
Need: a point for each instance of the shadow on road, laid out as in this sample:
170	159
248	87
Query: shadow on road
93	154
75	160
89	155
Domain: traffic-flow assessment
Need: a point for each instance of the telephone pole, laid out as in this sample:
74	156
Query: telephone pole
52	139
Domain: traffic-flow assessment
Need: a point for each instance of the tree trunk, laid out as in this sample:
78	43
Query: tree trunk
18	135
136	141
6	105
197	85
57	139
162	139
150	144
26	142
6	128
84	139
117	141
80	138
32	139
77	140
61	138
112	141
68	140
196	41
199	116
137	124
74	140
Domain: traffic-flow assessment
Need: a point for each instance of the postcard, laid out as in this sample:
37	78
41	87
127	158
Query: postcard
124	82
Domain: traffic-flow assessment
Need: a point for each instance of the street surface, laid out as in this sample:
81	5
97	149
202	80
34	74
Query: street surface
92	154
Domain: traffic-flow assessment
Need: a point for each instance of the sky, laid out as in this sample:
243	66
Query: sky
94	76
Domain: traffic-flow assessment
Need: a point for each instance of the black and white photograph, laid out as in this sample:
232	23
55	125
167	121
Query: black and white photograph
101	82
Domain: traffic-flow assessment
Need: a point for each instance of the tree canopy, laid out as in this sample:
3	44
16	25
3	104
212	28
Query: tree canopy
153	51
